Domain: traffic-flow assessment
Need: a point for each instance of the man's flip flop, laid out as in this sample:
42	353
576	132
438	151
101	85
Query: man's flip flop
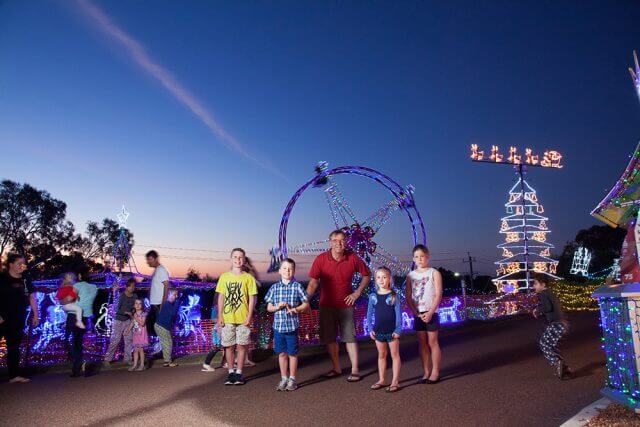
392	389
332	374
354	378
377	386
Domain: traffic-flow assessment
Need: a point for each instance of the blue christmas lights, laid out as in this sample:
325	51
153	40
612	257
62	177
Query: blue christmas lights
617	322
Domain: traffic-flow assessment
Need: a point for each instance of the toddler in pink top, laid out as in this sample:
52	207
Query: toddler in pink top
140	337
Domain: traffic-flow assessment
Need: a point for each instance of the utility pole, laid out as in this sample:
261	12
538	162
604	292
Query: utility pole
524	226
470	260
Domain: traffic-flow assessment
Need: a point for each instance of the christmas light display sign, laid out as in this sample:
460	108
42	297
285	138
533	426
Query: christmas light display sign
525	248
549	159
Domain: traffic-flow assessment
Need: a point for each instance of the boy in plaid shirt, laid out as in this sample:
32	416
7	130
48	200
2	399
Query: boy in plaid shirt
286	299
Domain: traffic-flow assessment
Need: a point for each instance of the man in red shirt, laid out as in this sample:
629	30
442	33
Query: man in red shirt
334	269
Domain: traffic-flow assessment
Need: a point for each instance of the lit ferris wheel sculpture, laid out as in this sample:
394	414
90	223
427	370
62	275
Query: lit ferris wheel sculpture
360	233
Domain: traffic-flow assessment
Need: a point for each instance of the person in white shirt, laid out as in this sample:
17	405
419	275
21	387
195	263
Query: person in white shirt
159	289
424	294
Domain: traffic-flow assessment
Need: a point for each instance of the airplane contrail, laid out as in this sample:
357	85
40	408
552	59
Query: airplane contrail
166	79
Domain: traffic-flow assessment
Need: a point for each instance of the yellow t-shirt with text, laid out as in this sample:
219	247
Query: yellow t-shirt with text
236	290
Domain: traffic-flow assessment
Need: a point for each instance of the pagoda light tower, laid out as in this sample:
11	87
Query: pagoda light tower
525	248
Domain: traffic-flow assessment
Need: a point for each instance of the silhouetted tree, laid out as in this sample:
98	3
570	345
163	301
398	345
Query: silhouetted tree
100	239
62	263
33	223
193	275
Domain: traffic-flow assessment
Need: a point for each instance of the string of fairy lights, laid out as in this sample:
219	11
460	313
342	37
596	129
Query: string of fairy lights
619	319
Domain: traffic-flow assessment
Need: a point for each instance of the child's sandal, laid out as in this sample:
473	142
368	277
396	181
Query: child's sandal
354	378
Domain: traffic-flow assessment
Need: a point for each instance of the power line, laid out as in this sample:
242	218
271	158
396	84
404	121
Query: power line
264	254
188	258
256	252
225	251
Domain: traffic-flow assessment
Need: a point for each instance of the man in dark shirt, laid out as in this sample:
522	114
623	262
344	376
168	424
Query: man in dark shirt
557	327
120	326
15	291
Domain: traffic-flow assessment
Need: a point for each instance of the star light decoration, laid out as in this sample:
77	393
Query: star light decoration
123	216
121	254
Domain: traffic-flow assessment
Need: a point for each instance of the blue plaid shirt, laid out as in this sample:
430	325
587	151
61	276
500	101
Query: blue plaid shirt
291	293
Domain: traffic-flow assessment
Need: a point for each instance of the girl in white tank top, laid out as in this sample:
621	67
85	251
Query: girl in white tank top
424	285
423	291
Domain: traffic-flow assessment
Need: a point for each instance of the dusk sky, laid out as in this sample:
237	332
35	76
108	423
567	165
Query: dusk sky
205	117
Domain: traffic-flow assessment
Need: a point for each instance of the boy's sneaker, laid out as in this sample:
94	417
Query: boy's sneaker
239	380
282	385
231	379
207	368
291	385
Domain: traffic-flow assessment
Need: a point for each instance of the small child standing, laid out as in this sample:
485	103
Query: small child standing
68	291
286	299
557	326
140	336
164	326
384	323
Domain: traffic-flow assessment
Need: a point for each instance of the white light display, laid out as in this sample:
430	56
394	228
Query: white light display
581	261
123	216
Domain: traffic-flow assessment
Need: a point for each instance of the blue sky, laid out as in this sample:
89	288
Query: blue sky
401	87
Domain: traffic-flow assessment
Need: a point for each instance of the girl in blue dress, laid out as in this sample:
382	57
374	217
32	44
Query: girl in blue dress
384	323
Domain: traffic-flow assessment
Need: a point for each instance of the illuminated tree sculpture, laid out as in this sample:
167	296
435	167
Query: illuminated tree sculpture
525	248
